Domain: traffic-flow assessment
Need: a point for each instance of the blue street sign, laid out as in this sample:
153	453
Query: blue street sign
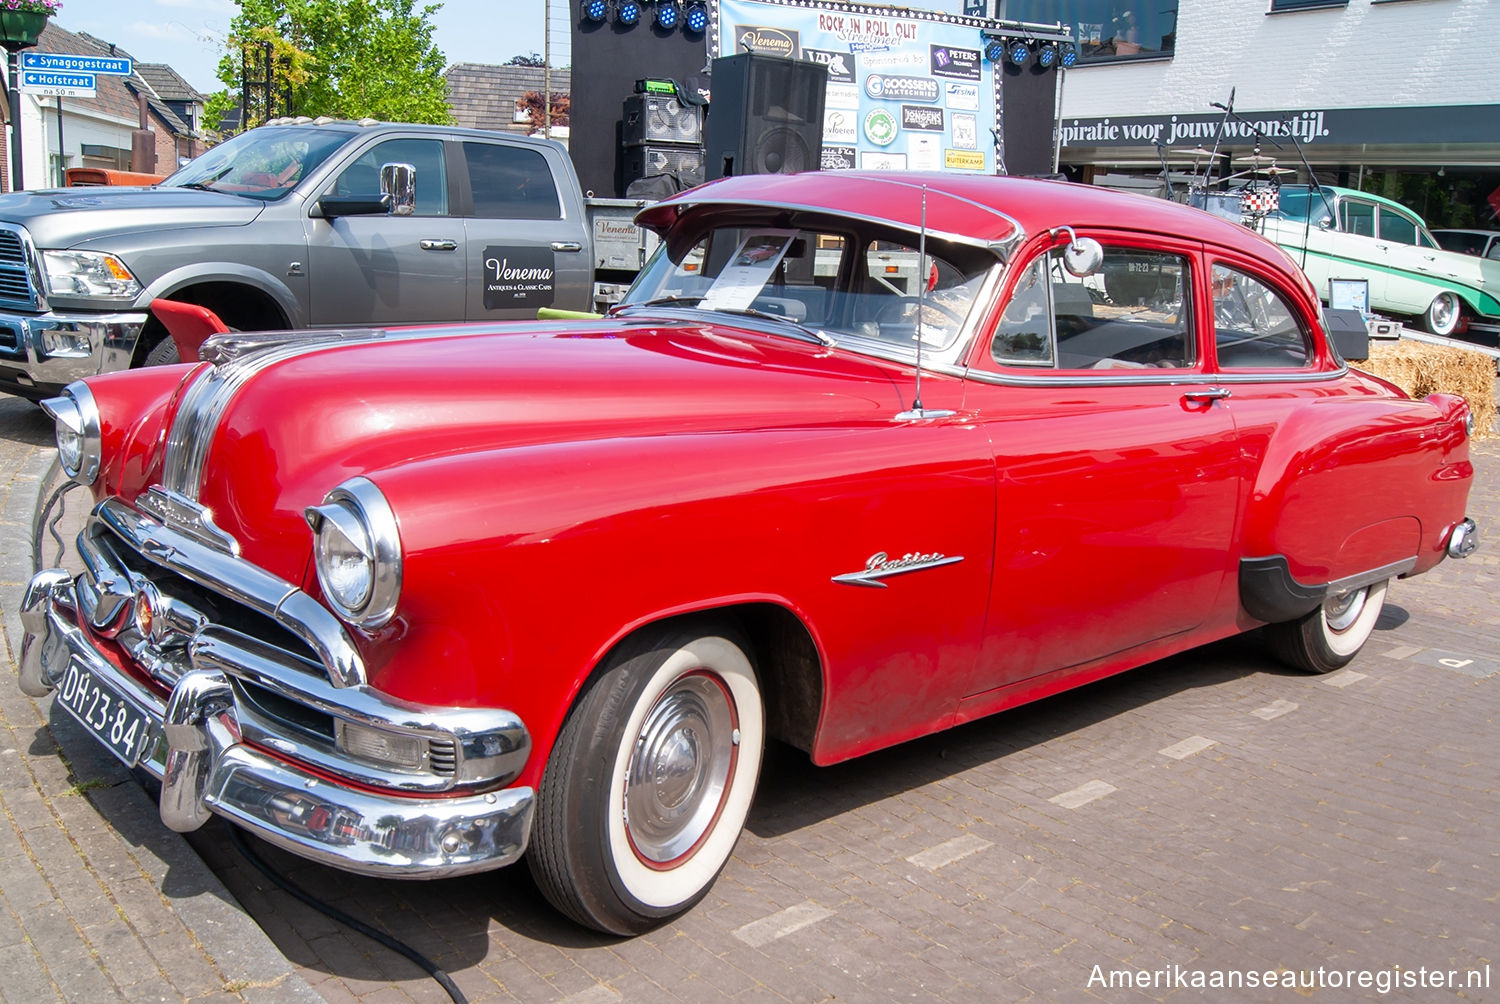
35	78
63	62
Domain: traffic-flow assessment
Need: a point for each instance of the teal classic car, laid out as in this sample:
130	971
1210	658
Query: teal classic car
1339	233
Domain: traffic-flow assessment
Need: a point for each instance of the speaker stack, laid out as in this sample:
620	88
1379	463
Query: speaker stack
766	116
663	139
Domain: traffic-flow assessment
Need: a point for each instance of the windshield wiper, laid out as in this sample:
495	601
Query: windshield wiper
663	301
812	334
199	185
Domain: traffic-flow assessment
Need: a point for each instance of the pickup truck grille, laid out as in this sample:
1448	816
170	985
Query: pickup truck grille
15	271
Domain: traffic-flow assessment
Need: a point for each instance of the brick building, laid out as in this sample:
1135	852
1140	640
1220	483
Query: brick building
63	132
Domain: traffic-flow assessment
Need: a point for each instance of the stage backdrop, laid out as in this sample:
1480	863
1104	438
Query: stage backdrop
907	89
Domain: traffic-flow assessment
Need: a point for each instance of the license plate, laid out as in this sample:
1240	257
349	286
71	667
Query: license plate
113	720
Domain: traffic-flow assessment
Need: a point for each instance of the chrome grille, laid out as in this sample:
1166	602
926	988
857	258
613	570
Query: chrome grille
442	757
15	271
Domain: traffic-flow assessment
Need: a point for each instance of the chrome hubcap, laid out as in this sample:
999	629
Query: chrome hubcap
679	770
1443	310
1343	610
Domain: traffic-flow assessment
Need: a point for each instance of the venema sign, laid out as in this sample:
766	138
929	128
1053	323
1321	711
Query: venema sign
896	76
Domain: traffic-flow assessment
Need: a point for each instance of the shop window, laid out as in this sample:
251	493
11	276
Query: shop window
1108	30
1277	6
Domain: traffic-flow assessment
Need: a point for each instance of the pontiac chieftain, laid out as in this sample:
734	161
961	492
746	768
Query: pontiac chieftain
860	458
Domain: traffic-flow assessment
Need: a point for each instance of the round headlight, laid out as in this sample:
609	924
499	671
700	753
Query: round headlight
357	552
76	416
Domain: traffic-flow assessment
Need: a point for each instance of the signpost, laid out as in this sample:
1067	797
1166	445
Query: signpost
60	75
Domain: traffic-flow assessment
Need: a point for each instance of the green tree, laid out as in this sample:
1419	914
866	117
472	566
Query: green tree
346	59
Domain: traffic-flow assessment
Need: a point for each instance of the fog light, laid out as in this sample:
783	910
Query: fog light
378	746
64	342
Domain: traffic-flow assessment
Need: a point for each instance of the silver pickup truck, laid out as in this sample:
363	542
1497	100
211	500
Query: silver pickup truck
289	226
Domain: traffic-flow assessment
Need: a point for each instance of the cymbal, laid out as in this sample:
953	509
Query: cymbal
1279	170
1256	159
1196	151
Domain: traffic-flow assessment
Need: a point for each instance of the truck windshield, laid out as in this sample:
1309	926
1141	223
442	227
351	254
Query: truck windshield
264	163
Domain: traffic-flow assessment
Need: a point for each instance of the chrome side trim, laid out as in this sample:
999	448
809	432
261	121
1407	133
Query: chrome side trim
1056	378
1394	570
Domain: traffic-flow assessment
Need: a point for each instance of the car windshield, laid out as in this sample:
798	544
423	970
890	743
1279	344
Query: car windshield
839	284
264	163
1295	200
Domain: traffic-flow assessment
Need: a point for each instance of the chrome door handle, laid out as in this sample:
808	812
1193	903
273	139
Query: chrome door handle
1207	396
443	245
567	246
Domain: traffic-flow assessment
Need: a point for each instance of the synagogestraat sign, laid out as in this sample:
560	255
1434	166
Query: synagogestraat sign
1326	126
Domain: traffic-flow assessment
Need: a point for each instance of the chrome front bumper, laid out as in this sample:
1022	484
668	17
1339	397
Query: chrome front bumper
196	750
41	353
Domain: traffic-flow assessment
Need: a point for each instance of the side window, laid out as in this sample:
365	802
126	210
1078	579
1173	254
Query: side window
1131	314
1397	228
425	155
511	183
1254	326
1357	218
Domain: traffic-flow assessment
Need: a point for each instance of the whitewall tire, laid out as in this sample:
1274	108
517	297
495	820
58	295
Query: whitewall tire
650	781
1332	635
1443	314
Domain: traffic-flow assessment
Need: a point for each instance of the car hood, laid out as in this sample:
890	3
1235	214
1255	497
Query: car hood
71	217
296	427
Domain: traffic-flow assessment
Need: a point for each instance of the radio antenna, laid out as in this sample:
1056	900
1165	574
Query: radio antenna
923	270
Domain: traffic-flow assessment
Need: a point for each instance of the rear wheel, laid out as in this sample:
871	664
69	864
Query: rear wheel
1444	314
1329	637
650	781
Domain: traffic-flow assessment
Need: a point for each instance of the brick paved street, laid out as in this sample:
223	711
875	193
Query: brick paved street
1213	811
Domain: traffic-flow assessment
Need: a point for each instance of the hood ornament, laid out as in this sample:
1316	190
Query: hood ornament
882	566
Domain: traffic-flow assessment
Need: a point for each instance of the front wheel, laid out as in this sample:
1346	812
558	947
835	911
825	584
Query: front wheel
1329	637
649	782
1444	314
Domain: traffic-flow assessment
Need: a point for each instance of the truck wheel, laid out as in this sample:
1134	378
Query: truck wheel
649	782
1444	314
1330	636
163	353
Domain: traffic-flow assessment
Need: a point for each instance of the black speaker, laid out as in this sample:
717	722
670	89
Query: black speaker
1347	331
661	118
766	116
681	163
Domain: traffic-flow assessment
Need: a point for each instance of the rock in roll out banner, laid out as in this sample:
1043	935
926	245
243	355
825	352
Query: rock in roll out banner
908	90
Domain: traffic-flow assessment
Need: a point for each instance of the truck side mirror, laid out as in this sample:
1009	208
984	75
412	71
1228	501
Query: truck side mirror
333	206
399	181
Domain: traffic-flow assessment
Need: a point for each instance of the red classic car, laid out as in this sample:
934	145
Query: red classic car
860	457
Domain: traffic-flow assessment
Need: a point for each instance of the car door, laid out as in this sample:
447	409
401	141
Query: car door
1357	252
389	268
1116	462
527	242
1418	266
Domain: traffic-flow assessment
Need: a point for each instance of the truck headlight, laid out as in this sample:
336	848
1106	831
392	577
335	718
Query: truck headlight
89	273
76	415
357	553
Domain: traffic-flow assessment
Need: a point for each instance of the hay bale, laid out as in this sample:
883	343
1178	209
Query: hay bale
1421	369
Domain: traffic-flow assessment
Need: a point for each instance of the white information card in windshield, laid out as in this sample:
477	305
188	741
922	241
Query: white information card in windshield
747	273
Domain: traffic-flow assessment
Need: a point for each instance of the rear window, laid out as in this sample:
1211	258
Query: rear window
511	183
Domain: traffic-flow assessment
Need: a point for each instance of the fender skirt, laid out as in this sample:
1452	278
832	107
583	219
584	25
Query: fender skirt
1270	593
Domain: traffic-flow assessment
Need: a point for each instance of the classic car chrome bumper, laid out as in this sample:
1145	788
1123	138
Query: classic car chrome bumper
41	353
194	745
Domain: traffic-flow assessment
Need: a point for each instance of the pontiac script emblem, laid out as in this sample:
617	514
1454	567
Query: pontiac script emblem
883	566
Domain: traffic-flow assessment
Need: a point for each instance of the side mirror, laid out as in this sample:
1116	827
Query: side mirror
399	183
333	206
1326	223
1083	257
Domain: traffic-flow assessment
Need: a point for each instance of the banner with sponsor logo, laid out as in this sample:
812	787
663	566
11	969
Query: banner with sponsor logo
907	89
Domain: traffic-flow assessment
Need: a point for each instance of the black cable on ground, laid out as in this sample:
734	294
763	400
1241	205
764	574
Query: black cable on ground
334	913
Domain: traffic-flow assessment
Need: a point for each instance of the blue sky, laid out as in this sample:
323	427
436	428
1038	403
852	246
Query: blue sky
189	34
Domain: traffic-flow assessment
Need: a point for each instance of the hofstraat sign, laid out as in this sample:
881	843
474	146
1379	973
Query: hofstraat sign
1310	127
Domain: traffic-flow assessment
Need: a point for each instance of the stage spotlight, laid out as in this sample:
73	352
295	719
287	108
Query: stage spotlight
628	12
695	16
1046	55
595	10
994	50
667	14
1018	52
1069	54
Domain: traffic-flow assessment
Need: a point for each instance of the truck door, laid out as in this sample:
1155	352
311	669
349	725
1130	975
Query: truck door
388	269
525	248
